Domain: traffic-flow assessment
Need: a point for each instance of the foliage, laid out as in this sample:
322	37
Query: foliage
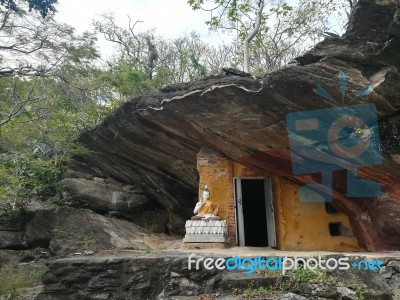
359	293
14	281
37	144
251	292
50	90
131	71
304	275
290	30
54	84
227	13
287	27
286	283
31	45
27	176
44	7
69	237
231	13
148	228
40	119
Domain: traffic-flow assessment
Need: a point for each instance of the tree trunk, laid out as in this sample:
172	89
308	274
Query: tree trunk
247	40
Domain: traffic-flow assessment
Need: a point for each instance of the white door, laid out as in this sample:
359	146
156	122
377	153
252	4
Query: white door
269	206
239	212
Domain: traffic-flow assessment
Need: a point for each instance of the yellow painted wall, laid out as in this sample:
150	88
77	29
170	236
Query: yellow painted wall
304	226
299	226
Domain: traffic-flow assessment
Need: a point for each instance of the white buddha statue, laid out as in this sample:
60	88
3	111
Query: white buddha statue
205	208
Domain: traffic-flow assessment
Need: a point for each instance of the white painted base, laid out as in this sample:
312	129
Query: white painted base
206	238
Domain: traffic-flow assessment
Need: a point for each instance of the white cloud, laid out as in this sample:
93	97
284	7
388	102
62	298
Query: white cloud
170	18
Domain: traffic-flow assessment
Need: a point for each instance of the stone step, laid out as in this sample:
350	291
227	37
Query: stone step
240	281
198	297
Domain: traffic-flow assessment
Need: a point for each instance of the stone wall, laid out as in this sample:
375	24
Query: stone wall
138	276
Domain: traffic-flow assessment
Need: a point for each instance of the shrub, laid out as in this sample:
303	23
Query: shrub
14	281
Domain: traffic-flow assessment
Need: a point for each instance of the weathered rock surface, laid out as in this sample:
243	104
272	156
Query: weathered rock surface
151	142
163	275
67	230
103	196
107	196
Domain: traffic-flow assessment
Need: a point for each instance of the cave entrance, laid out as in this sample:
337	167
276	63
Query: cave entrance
255	222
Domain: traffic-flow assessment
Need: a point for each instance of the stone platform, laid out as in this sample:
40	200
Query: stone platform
200	246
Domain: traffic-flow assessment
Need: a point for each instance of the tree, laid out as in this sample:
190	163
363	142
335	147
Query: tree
352	4
251	35
129	71
31	46
44	7
144	61
45	116
221	56
232	12
291	30
182	59
279	30
50	90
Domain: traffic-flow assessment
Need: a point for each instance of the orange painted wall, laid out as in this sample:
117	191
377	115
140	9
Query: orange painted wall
242	171
216	171
299	226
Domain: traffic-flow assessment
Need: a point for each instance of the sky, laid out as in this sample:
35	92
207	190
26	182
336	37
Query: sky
170	18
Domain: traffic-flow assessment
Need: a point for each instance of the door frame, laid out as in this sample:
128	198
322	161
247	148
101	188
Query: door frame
269	209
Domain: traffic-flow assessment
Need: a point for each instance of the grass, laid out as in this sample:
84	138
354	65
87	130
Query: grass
269	273
15	281
162	247
251	291
255	292
292	281
359	293
149	229
296	277
303	275
69	236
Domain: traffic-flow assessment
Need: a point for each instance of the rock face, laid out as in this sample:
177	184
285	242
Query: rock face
67	230
151	142
103	196
140	277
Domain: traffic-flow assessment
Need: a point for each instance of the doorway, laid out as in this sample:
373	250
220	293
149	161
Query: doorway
254	212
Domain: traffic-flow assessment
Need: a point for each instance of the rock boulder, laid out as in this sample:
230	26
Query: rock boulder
152	141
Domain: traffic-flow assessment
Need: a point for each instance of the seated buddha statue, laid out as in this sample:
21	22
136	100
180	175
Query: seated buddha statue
205	208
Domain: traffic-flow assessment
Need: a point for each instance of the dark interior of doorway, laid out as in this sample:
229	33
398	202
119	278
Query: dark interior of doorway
254	213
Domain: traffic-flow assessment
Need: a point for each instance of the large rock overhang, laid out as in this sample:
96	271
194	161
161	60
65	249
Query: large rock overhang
153	140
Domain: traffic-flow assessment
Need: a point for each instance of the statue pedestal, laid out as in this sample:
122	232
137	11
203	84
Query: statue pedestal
206	231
